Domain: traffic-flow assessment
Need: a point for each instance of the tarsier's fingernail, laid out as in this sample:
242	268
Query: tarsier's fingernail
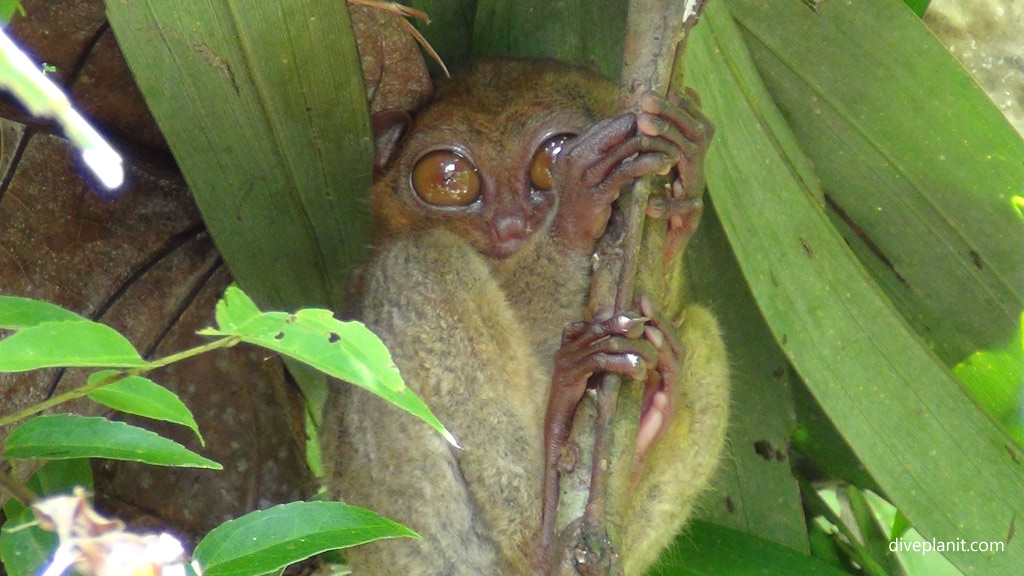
654	336
660	400
647	306
648	124
650	426
635	327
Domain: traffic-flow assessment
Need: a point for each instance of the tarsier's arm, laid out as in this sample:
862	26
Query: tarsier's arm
686	386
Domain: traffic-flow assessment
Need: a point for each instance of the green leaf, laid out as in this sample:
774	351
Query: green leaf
8	8
79	343
918	168
62	436
918	6
706	549
24	549
17	313
584	32
268	540
451	25
61	476
264	107
934	453
143	397
754	490
345	350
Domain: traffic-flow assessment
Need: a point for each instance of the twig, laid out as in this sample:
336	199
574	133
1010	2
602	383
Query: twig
656	31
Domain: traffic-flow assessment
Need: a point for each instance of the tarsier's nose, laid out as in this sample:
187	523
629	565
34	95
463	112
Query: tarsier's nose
509	234
509	228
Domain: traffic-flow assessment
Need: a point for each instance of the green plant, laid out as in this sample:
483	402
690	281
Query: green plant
47	336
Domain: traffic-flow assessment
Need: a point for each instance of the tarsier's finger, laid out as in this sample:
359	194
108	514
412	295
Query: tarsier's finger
654	154
684	116
595	141
586	333
662	208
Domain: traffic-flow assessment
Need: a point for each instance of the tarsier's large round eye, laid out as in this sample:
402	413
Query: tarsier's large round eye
544	158
446	178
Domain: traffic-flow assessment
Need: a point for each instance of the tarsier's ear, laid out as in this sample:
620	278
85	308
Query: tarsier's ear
388	128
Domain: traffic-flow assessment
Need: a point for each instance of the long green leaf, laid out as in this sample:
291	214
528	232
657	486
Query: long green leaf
143	397
585	32
75	343
263	105
709	550
63	436
17	312
268	540
345	350
754	489
915	161
939	459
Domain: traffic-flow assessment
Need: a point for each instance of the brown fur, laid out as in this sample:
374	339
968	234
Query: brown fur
474	337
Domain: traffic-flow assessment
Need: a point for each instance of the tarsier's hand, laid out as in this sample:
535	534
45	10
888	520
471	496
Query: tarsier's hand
596	164
686	126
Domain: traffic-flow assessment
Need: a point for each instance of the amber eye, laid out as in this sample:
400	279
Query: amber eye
445	178
544	159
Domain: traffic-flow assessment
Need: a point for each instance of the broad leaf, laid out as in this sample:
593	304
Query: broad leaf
268	540
75	343
345	350
24	548
143	397
938	458
63	436
17	313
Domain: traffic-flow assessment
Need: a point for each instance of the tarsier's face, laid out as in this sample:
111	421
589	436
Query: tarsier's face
484	171
497	201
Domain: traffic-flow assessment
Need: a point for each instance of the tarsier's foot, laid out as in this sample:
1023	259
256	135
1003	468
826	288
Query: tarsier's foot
690	132
609	343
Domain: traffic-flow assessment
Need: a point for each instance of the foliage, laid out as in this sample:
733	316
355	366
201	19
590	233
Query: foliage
45	335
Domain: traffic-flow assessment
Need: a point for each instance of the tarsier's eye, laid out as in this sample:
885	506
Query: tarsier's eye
544	158
446	178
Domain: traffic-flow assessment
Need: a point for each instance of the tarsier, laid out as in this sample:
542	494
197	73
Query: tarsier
490	206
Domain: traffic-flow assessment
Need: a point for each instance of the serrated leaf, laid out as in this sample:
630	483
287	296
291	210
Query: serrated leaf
268	540
62	436
17	312
705	549
66	344
345	350
24	549
143	397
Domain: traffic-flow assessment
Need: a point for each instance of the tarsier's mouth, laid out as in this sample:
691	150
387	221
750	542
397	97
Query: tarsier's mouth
505	248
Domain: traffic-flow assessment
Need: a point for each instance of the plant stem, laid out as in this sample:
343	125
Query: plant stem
85	389
18	490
